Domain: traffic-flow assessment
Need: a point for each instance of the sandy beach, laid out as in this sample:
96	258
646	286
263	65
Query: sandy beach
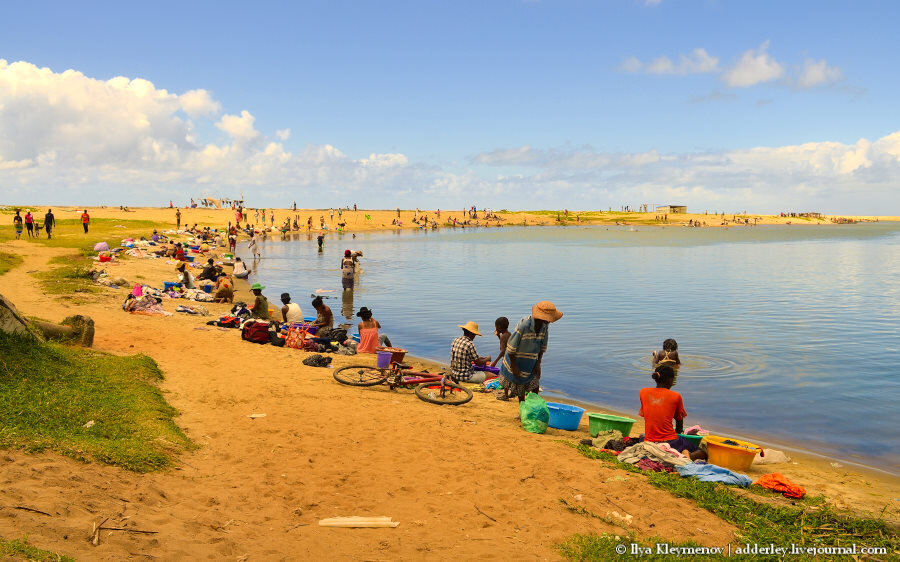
463	482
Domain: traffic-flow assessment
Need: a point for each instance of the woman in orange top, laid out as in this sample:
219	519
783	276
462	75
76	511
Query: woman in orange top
659	406
368	332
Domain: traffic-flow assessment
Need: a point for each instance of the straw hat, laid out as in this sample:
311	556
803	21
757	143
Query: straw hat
471	327
546	310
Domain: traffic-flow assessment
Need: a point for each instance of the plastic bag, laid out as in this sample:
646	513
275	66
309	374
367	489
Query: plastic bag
493	384
534	413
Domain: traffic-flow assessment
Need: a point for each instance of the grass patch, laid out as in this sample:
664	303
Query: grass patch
72	276
22	549
809	523
69	233
48	393
8	261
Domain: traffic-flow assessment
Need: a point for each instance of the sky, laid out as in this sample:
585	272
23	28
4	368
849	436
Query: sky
763	106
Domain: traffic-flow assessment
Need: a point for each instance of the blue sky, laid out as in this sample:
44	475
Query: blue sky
764	106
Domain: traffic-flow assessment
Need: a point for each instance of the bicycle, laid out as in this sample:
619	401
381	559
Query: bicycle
435	388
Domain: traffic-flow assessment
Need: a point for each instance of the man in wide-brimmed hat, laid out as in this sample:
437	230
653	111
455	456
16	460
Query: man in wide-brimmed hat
521	368
463	355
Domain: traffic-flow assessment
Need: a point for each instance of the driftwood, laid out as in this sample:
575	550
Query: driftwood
358	522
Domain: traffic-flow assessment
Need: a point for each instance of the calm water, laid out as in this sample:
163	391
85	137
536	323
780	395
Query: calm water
787	334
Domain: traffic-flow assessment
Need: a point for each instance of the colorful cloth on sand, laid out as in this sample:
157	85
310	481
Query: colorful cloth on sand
653	466
605	437
779	483
713	473
652	451
619	445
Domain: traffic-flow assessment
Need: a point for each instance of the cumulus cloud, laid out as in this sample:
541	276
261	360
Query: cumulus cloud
697	62
817	73
283	134
199	103
754	67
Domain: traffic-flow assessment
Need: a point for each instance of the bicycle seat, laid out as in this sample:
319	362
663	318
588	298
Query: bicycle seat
402	366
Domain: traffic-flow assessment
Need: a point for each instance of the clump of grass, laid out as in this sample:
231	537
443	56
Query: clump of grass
49	393
805	524
8	261
22	549
72	276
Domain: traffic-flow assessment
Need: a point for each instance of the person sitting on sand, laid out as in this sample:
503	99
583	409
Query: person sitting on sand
260	307
210	271
659	406
290	312
224	291
324	317
179	252
240	270
369	340
464	356
668	355
185	277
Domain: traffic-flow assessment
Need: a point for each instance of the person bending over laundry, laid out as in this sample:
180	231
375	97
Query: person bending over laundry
463	356
324	316
185	277
224	289
661	405
240	269
520	372
668	355
209	272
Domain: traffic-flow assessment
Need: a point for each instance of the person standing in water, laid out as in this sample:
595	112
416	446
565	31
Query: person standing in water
348	270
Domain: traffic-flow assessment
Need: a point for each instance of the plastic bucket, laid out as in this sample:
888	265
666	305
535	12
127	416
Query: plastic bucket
604	422
228	256
383	359
397	354
564	416
207	288
736	457
105	258
695	439
189	258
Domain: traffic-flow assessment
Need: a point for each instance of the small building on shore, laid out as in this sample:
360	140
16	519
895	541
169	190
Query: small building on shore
672	209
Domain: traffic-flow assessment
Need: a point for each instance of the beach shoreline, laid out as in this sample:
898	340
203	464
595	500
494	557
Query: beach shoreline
314	454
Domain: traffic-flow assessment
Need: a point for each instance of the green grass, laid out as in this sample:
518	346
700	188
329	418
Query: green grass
68	233
49	392
808	523
8	261
72	275
20	549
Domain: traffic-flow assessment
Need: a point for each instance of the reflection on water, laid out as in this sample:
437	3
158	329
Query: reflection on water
782	331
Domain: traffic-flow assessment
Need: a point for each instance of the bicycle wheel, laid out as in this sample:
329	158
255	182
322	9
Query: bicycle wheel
449	393
360	375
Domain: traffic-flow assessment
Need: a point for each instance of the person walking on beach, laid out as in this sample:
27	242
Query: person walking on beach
520	372
85	220
17	223
29	223
348	269
49	222
464	356
177	219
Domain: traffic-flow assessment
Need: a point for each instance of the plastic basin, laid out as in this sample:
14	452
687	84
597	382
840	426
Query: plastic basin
169	285
695	439
564	416
736	457
189	258
605	422
105	258
397	354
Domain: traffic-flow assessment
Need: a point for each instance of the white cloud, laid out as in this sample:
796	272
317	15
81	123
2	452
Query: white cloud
385	160
283	134
754	67
697	62
199	103
240	128
816	73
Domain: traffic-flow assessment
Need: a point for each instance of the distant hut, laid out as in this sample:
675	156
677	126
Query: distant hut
671	209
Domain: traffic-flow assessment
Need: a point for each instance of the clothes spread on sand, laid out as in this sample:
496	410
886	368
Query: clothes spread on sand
145	305
652	451
713	473
659	406
653	466
619	445
604	437
771	456
779	483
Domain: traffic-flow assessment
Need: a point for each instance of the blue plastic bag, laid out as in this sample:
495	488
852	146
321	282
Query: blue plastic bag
534	413
493	384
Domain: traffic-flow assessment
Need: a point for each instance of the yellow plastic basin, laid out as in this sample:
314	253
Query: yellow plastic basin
736	457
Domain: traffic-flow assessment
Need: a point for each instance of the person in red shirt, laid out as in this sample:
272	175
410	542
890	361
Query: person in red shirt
85	220
659	406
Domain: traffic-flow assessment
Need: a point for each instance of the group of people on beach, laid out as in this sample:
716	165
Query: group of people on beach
34	228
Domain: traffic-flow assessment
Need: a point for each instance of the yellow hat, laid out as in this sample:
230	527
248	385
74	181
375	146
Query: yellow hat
546	310
471	327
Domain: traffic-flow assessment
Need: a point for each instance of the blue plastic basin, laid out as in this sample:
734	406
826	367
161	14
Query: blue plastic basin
564	416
